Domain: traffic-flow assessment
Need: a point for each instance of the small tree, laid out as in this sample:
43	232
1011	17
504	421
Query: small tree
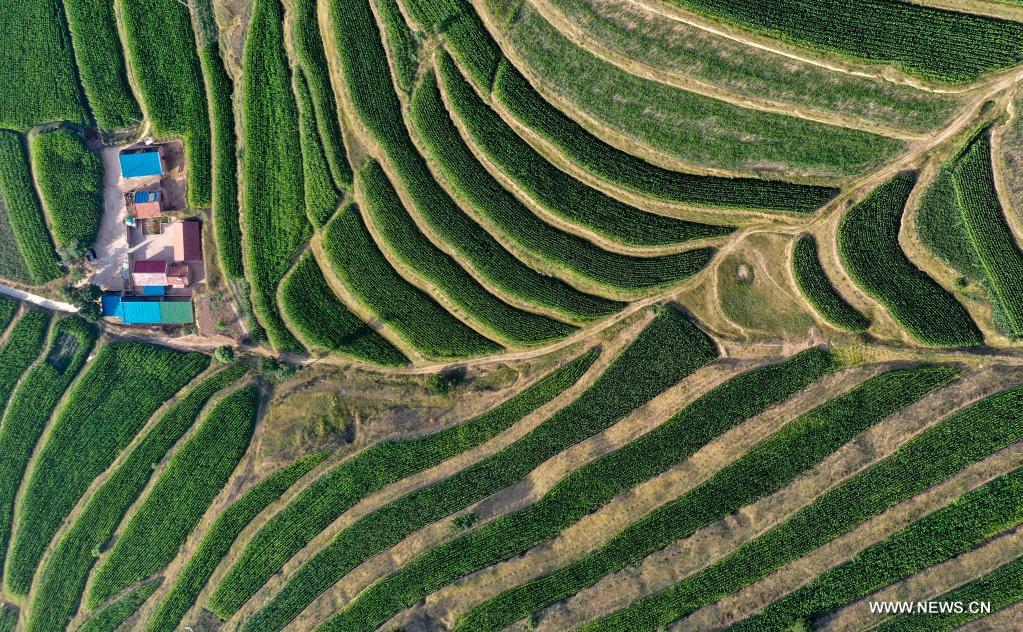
442	383
224	354
86	299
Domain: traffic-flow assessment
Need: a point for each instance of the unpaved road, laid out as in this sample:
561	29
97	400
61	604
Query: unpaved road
35	299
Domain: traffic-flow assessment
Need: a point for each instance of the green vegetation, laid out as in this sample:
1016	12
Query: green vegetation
101	66
23	210
334	493
224	202
66	570
767	466
70	177
415	251
401	44
160	45
8	307
8	618
676	123
310	53
559	193
12	264
219	538
930	43
31	407
20	349
271	196
110	618
955	529
37	67
922	462
474	49
126	383
179	498
669	349
868	241
628	172
321	197
409	311
817	288
455	162
320	319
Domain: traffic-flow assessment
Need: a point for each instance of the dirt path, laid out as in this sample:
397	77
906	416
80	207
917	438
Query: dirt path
35	299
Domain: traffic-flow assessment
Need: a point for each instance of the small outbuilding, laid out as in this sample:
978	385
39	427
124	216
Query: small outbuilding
146	205
141	163
187	237
146	272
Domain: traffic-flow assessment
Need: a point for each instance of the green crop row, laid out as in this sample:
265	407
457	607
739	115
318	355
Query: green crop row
668	350
8	618
558	192
126	383
194	476
321	196
161	48
924	461
20	349
818	290
64	574
30	409
966	523
110	618
219	538
412	314
936	44
8	307
774	462
401	44
70	177
23	210
365	72
455	162
12	264
474	49
224	198
310	53
673	124
384	463
414	250
37	67
101	66
634	174
990	236
320	319
272	180
868	241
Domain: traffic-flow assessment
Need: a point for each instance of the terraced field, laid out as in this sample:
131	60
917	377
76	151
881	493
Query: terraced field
520	315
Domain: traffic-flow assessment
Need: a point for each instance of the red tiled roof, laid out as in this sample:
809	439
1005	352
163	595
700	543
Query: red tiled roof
146	266
189	245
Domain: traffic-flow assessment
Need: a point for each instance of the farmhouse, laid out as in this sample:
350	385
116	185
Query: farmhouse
141	163
186	238
145	204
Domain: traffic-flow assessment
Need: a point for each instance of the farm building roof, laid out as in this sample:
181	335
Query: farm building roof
111	305
187	241
146	204
154	290
136	310
141	164
146	272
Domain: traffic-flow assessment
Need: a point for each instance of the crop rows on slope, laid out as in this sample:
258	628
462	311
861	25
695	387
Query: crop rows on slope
310	53
126	383
626	171
8	307
272	181
868	240
30	409
338	490
632	111
668	350
924	461
8	618
65	571
37	67
320	319
558	192
160	46
101	65
372	95
20	348
12	264
224	193
177	501
989	234
410	312
401	45
817	288
463	172
23	210
219	538
963	525
414	250
321	196
776	461
70	177
930	43
111	617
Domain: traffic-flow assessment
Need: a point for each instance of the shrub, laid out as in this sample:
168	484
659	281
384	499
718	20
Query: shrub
224	354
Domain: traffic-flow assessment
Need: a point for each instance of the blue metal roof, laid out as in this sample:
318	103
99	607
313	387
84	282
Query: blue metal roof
153	290
141	197
111	305
141	164
139	311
